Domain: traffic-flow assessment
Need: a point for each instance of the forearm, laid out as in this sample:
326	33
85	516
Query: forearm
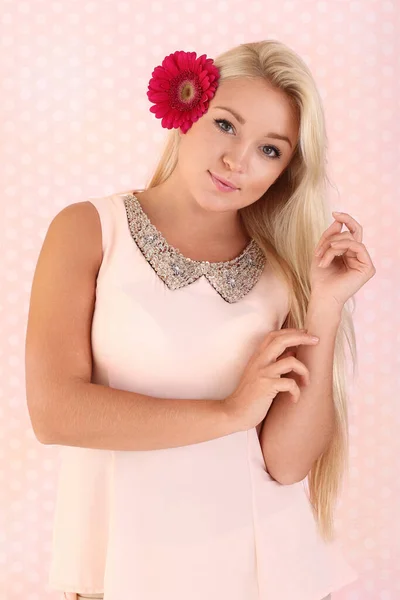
296	434
94	416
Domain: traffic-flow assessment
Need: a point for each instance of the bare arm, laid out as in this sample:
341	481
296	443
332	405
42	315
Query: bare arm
65	407
295	435
96	416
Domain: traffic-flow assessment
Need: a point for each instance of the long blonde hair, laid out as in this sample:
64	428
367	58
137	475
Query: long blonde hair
287	222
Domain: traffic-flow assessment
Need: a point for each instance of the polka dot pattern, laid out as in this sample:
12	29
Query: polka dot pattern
76	123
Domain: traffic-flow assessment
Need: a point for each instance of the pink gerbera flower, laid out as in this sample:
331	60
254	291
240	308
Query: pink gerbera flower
181	89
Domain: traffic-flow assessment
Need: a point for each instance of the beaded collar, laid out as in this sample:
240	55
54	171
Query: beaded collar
232	279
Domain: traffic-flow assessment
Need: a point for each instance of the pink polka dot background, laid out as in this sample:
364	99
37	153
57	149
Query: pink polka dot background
75	123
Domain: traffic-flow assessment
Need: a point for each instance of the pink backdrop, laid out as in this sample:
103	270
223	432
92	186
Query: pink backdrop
75	122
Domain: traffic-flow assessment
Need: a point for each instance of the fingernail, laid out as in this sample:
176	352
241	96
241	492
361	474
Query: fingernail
335	212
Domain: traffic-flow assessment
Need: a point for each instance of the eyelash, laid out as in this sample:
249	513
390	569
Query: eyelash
278	152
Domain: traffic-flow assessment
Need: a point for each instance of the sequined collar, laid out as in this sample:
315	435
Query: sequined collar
232	279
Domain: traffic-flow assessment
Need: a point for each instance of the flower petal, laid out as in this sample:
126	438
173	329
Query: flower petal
181	88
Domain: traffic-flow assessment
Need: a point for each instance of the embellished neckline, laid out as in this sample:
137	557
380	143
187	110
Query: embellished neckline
149	224
232	279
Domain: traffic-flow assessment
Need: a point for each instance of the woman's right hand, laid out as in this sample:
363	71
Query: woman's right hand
261	380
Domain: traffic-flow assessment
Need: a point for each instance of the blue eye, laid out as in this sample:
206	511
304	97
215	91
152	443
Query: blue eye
274	148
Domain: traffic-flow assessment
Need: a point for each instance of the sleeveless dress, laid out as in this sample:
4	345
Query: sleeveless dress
202	521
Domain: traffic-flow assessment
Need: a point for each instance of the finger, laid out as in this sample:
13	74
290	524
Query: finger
281	343
289	365
335	227
340	248
283	331
287	353
337	249
286	330
342	218
276	333
283	384
296	336
353	226
333	238
275	345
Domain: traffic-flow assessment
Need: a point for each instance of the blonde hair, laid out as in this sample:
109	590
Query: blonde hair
287	222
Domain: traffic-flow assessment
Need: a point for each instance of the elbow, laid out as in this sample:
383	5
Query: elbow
43	440
40	433
289	478
39	418
286	473
285	477
44	437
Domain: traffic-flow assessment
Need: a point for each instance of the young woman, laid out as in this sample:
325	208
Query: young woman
170	353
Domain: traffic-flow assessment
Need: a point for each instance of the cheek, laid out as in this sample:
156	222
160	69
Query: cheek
262	175
197	146
260	184
194	160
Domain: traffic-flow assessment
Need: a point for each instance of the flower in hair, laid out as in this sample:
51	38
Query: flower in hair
181	89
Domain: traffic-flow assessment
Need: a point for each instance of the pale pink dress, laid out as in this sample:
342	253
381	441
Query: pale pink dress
198	522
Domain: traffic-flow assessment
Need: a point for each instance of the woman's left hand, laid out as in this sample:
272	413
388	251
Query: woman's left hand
346	264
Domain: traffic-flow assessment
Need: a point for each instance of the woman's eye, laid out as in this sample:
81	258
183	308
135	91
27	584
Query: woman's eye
218	123
276	150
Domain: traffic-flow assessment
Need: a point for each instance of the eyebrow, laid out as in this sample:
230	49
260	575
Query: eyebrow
242	122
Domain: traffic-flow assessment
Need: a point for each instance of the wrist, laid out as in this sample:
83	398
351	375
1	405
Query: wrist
229	412
320	308
322	318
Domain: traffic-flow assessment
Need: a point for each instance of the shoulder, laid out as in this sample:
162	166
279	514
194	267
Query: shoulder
77	213
77	218
77	227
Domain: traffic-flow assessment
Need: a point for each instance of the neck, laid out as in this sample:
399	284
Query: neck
171	208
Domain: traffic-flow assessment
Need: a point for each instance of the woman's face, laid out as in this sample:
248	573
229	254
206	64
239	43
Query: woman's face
246	153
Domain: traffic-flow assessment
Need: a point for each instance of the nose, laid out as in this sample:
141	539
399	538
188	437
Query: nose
236	159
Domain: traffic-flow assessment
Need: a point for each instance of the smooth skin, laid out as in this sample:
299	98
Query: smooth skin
191	213
262	377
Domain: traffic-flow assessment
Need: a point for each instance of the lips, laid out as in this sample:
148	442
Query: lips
224	181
